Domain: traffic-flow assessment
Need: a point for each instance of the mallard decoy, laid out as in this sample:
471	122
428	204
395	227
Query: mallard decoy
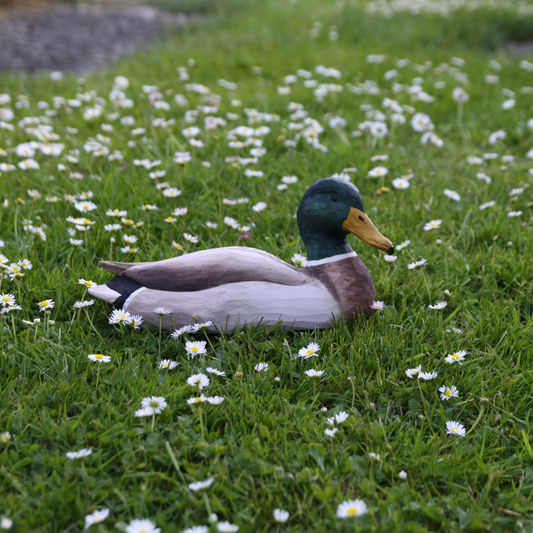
236	285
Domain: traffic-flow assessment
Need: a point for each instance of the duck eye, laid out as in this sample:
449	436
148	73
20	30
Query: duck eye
333	197
361	218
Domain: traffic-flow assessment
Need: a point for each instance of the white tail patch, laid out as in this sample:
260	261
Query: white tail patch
103	292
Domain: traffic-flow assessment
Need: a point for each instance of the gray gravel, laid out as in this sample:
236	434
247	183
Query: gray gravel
78	38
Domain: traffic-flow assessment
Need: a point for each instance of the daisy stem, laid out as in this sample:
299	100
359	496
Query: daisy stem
174	461
201	418
352	384
92	325
476	421
153	422
97	375
207	506
159	340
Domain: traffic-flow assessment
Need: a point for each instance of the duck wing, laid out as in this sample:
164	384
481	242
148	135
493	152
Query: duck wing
210	268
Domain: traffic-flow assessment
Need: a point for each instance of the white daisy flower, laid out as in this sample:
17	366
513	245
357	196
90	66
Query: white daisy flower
455	428
311	350
447	393
85	452
96	517
351	508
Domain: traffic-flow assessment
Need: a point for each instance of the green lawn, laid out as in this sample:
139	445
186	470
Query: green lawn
265	445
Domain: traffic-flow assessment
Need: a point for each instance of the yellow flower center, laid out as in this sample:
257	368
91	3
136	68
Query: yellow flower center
309	352
194	349
448	393
352	511
98	356
44	303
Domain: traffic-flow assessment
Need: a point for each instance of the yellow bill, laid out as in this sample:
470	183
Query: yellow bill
358	223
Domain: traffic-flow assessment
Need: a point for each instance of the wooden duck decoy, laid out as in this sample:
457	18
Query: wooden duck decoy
236	285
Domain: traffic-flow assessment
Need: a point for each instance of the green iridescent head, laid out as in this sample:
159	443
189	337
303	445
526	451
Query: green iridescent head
331	209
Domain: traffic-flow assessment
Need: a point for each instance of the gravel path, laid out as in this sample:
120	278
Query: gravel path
78	38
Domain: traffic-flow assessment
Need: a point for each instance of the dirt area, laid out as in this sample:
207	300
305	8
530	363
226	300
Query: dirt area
77	38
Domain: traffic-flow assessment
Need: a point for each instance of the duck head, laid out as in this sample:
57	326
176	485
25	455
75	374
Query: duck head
329	211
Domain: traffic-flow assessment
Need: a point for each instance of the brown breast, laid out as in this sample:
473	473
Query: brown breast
350	283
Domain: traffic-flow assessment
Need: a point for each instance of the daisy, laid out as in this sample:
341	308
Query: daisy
85	207
312	373
402	474
426	376
432	224
5	436
416	264
214	400
227	527
199	485
412	372
83	303
196	529
402	245
136	321
456	357
85	452
438	305
330	432
45	304
351	508
421	122
452	195
195	348
157	403
400	183
198	380
5	522
193	239
311	350
196	399
168	364
142	526
448	392
145	411
455	428
377	172
299	260
215	371
86	282
178	332
280	515
378	305
118	316
96	517
260	367
7	300
99	358
26	264
162	311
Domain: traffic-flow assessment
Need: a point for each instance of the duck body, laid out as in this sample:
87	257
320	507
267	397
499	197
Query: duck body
237	286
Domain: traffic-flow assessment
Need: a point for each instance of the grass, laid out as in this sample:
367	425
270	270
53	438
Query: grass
265	445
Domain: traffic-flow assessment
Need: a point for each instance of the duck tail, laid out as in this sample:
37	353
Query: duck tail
115	267
105	293
116	291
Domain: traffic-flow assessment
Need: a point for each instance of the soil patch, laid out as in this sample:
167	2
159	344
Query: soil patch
78	38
